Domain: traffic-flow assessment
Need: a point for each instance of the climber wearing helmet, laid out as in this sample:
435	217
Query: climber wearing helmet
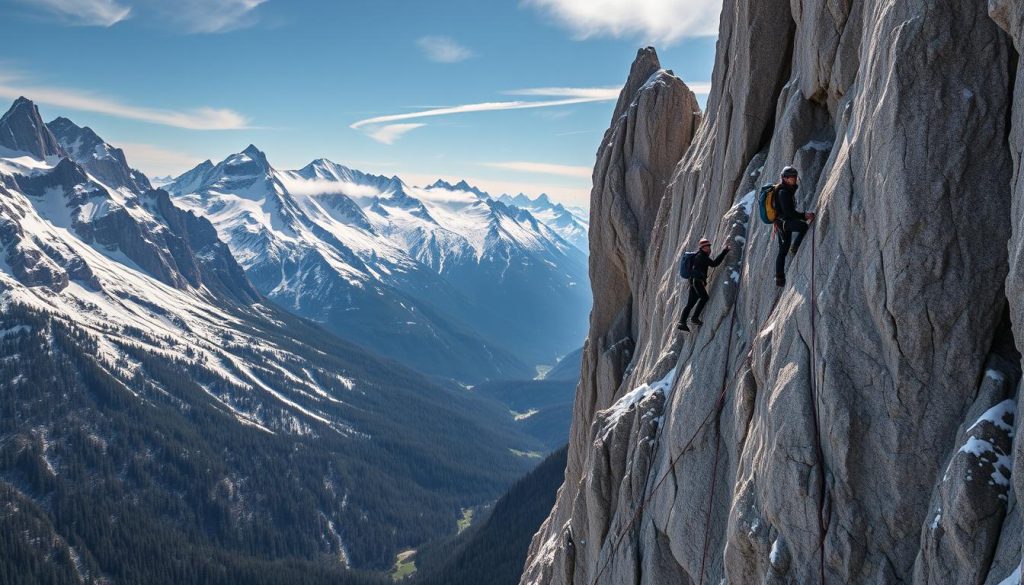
694	267
792	224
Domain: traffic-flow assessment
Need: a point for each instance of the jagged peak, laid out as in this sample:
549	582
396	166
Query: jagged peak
103	160
21	106
323	165
22	129
250	159
254	152
65	130
520	215
61	121
644	66
323	162
462	185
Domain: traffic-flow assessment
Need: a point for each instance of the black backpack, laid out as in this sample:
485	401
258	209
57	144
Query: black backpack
686	266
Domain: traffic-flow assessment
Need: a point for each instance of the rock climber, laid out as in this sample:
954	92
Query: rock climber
695	268
791	223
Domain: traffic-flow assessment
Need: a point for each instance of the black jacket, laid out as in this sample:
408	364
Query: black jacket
702	261
785	203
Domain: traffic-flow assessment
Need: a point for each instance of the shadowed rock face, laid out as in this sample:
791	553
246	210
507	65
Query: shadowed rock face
23	130
891	349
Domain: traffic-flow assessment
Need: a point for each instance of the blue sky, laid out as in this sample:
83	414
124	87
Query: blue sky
174	83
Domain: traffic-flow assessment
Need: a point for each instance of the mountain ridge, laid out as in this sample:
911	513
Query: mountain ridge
451	254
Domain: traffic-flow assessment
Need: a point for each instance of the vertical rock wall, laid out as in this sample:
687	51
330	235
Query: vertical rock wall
875	393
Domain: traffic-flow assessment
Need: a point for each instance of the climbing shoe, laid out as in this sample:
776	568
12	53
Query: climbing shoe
682	327
780	281
696	322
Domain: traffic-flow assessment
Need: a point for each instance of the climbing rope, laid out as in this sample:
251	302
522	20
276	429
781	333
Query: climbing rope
718	443
719	406
823	521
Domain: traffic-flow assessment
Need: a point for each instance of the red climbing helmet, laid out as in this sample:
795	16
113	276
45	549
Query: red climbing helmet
704	242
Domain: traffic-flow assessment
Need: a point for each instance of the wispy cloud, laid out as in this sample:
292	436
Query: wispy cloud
203	118
595	93
575	132
568	96
468	108
83	12
662	21
186	16
389	133
211	16
543	168
443	49
564	96
155	160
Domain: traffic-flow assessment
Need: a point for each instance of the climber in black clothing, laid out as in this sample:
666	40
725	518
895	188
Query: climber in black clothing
792	223
698	283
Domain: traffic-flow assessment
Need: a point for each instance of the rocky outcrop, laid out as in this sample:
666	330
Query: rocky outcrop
652	126
1009	16
22	130
858	424
193	241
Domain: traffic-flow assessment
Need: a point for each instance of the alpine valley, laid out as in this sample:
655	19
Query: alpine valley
197	383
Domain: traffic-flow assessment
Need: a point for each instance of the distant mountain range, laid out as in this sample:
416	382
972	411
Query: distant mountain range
444	278
162	421
572	223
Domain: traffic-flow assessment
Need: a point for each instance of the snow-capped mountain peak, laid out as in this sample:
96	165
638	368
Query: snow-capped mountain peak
331	241
22	131
103	161
571	224
251	162
462	185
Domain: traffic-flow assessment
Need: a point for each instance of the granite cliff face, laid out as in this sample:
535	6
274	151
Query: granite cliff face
858	424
